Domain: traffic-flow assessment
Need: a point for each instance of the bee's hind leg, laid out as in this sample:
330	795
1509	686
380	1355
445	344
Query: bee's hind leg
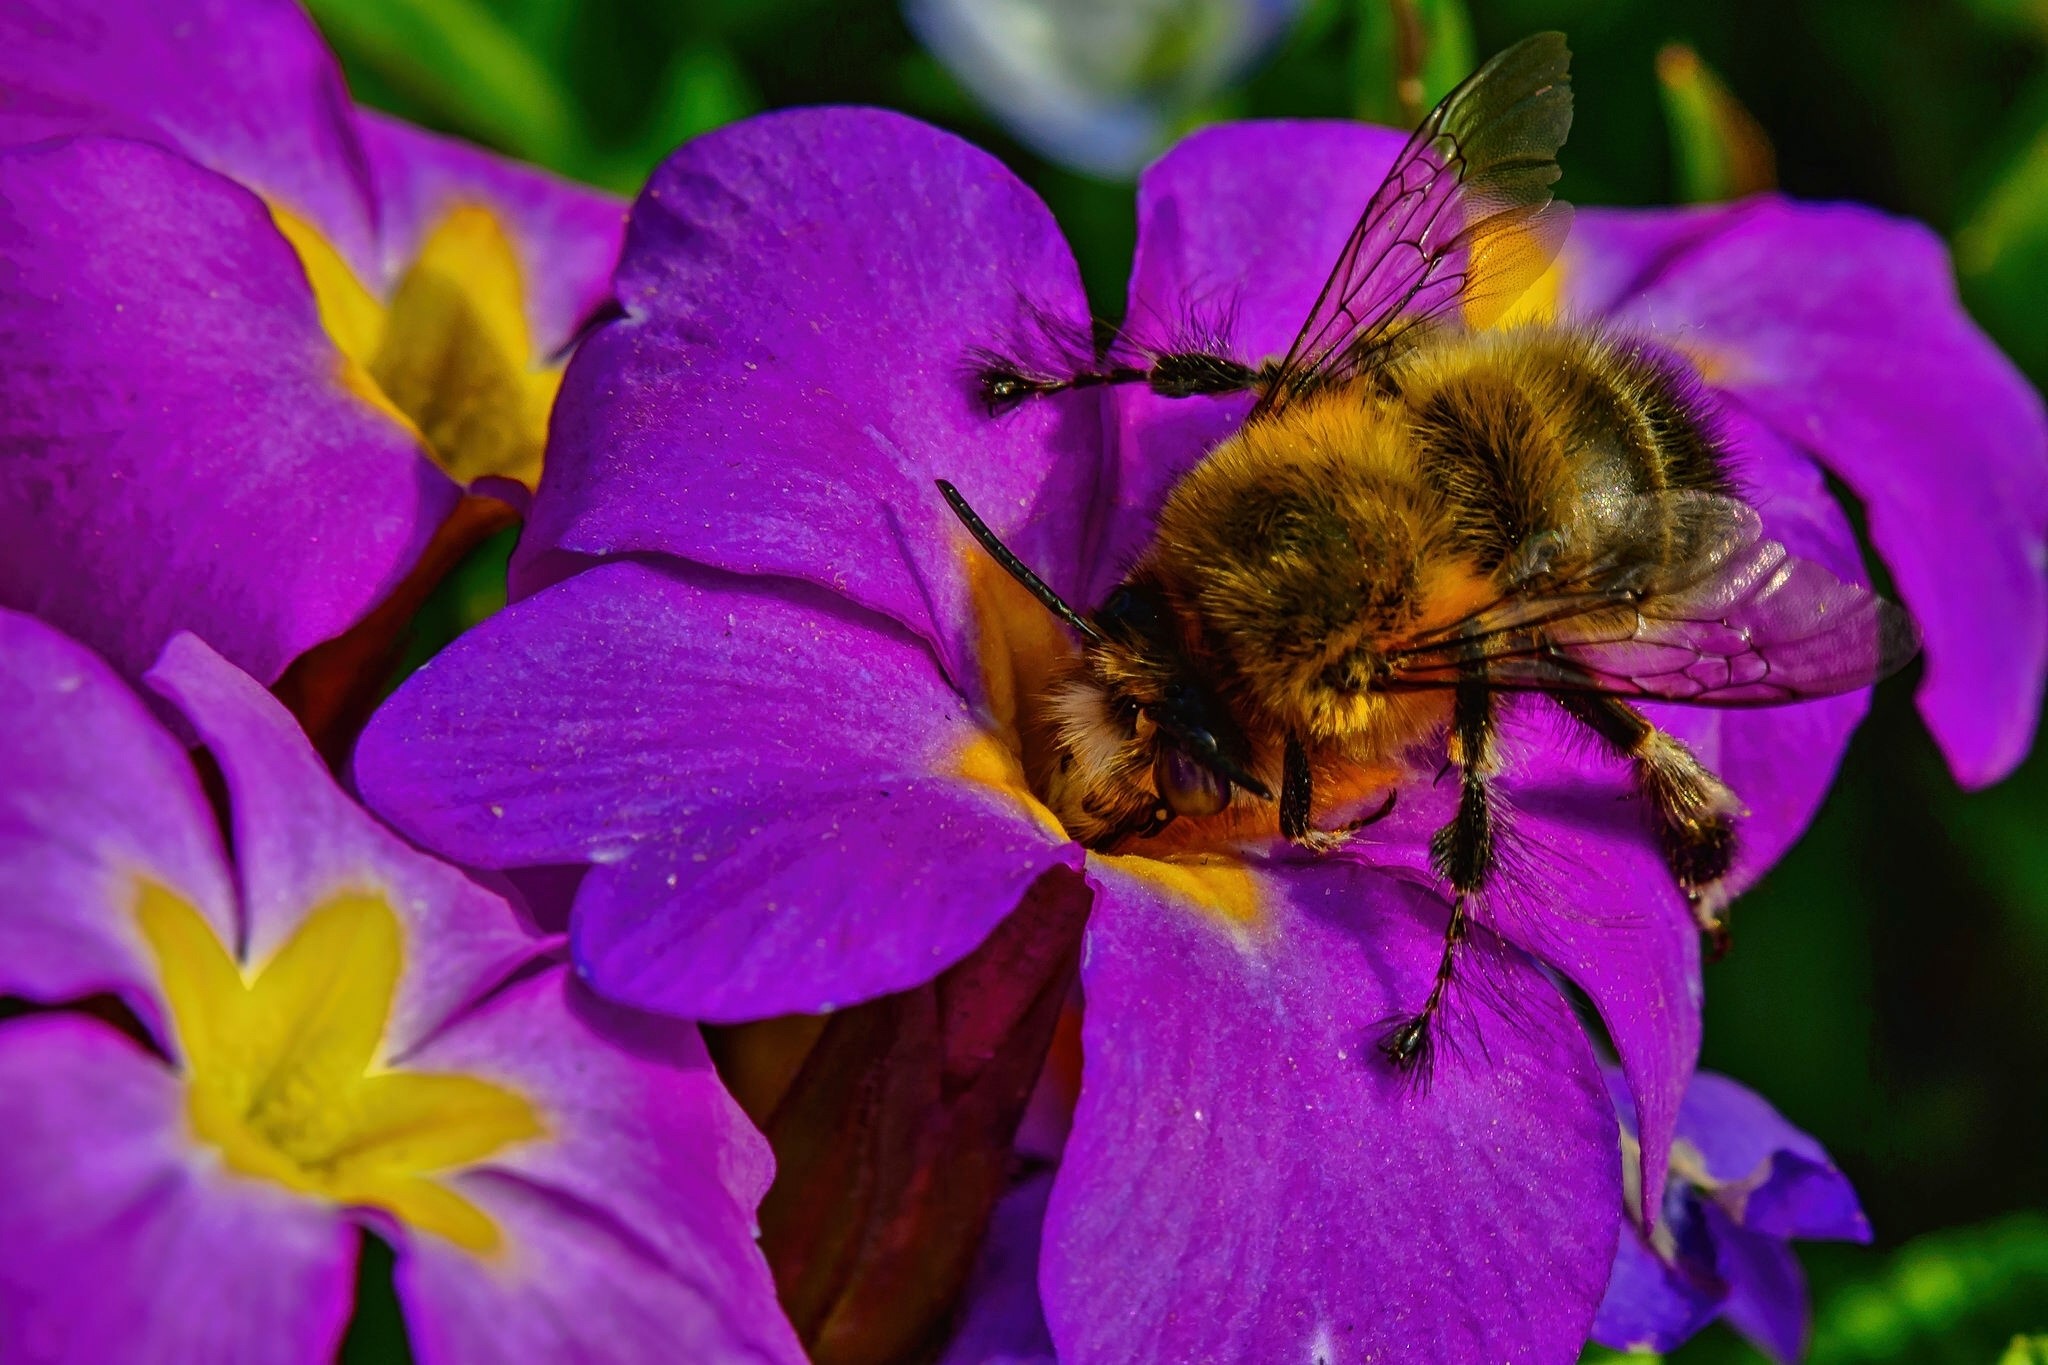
1464	853
1693	810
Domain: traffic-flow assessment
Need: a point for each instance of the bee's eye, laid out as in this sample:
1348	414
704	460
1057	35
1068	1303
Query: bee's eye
1186	786
1131	610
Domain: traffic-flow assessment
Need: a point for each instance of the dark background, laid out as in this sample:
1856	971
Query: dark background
1886	991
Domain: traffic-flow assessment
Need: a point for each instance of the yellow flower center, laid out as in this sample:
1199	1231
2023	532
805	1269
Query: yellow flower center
284	1067
449	354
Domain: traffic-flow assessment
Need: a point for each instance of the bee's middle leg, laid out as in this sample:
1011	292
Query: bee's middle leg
1463	852
1297	806
1692	809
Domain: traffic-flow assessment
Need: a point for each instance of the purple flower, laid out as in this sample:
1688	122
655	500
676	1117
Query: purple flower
1744	1182
768	692
254	341
336	1032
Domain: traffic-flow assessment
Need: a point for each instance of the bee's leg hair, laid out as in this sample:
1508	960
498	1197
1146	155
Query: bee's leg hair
1371	817
1691	808
1172	374
1297	793
1463	853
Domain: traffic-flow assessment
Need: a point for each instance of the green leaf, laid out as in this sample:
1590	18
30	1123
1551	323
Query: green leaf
703	88
2026	1351
1955	1296
2002	249
1718	150
472	593
458	59
1407	54
2026	16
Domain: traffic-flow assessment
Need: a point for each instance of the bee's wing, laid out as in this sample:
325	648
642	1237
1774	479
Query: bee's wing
1723	617
1464	221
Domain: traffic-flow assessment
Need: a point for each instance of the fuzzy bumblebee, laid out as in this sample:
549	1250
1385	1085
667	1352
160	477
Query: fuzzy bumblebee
1419	515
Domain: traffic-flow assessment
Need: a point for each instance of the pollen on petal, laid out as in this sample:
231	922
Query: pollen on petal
1021	646
988	762
1718	366
1216	885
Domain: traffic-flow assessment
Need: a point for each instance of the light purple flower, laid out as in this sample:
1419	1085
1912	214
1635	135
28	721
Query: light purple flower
254	342
1744	1183
764	687
336	1032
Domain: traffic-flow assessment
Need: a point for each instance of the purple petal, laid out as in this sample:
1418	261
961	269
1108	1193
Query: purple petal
1766	1289
119	1240
1826	321
1612	253
97	798
861	891
581	1289
299	842
769	786
1242	222
646	1158
1266	1188
804	292
567	235
1650	1305
244	87
179	450
1787	1185
1000	1319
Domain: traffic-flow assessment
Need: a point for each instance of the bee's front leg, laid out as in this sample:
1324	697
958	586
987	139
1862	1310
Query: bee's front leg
1297	795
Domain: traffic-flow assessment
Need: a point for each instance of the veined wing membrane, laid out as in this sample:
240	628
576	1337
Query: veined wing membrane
1724	618
1463	223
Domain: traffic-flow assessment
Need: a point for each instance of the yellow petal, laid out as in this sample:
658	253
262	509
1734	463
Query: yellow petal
279	1069
457	354
201	983
417	1122
350	314
318	1007
430	1207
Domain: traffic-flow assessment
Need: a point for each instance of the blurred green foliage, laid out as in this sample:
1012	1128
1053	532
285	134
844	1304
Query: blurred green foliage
1887	982
1950	1297
2026	1350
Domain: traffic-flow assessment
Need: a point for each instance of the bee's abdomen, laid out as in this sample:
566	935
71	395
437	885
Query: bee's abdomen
1517	429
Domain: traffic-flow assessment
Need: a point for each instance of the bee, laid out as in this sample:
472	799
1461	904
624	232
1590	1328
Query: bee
1419	516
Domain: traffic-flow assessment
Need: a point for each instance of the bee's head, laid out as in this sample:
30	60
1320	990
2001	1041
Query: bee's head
1138	690
1139	733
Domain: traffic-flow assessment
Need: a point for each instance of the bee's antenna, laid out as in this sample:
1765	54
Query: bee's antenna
1014	566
